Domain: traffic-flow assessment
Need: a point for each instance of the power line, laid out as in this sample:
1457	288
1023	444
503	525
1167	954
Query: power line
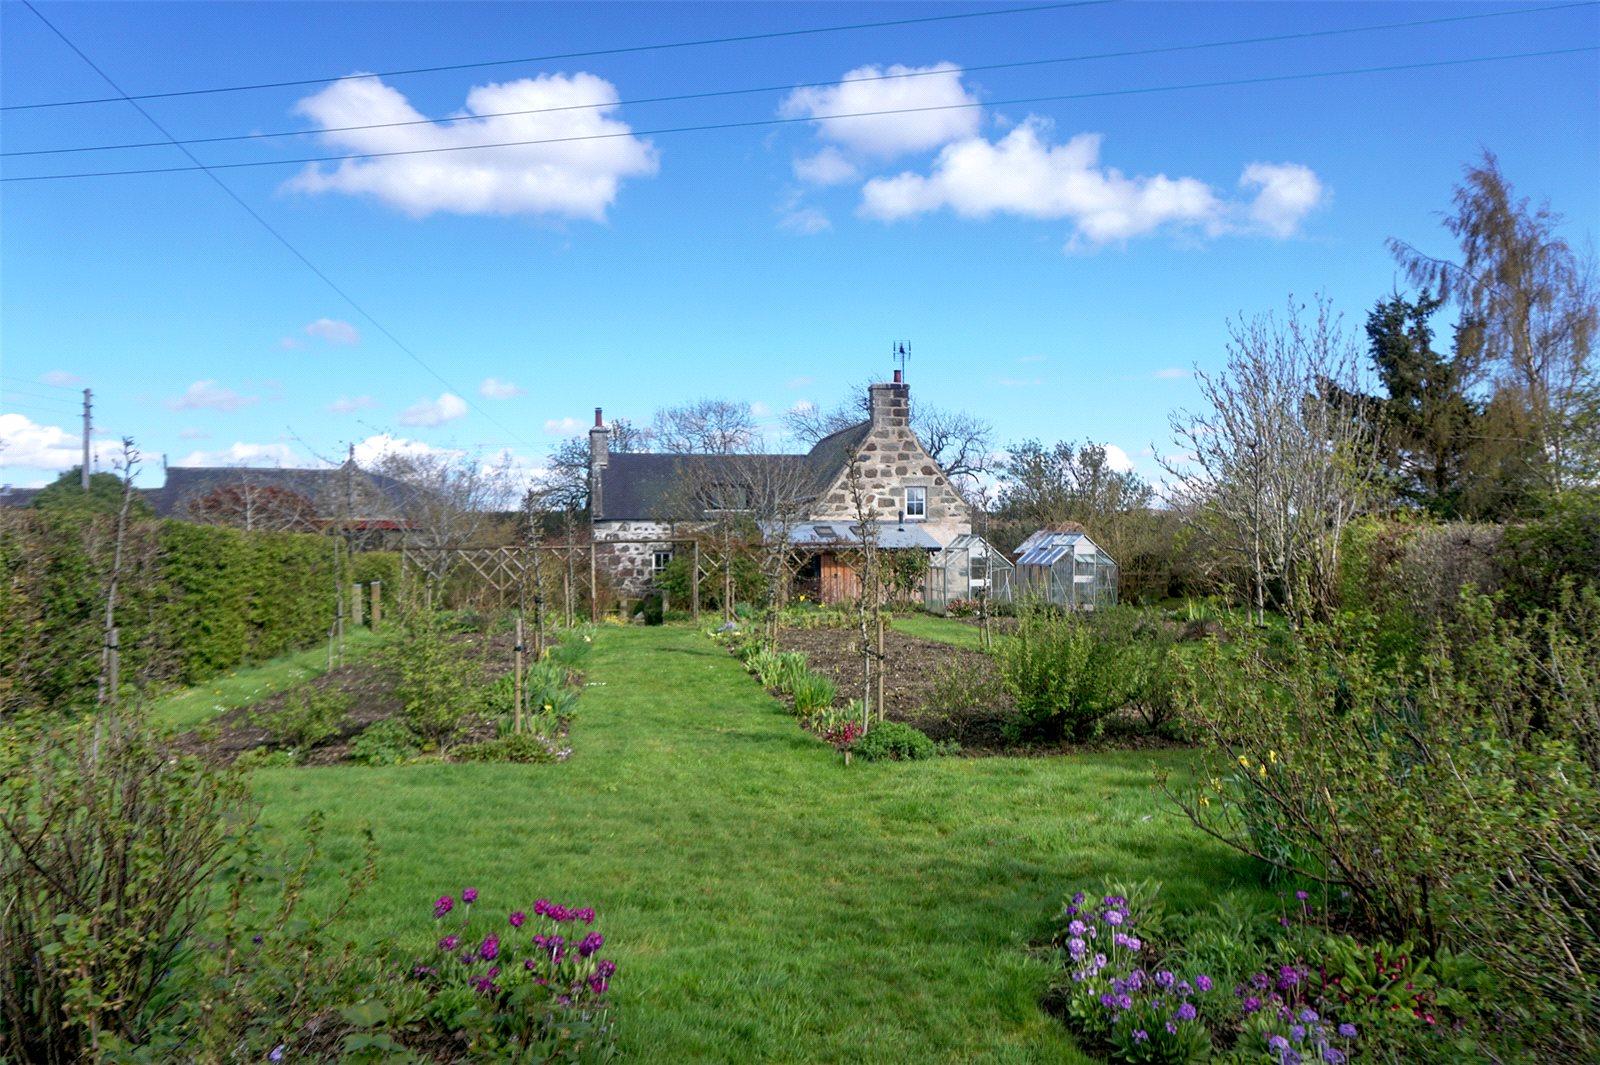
296	252
708	127
773	35
720	93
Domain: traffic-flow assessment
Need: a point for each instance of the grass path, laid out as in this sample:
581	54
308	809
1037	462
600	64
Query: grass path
763	902
952	631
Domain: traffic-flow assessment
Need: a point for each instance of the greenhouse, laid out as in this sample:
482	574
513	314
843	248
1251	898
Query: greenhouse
967	568
1066	568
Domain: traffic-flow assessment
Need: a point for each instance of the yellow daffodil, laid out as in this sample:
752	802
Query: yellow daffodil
1216	785
1272	756
1263	769
1205	800
1244	761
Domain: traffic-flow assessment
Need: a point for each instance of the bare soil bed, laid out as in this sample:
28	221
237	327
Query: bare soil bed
913	692
370	686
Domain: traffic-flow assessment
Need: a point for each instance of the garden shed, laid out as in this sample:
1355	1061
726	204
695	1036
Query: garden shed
1065	567
968	567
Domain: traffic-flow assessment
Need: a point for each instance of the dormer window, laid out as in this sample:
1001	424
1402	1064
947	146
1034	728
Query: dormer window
916	502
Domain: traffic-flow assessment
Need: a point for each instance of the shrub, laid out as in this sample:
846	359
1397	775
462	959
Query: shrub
962	608
518	999
1064	679
308	716
1456	803
518	747
437	679
109	839
893	740
387	742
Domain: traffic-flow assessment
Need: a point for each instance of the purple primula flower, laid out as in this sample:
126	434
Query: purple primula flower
277	1053
1165	979
1108	1000
1125	1001
1077	928
1348	1031
1278	1042
1260	981
1076	947
1301	895
517	919
1287	977
443	906
469	895
1172	1029
1077	899
1113	917
1308	1015
1297	1032
591	943
1099	961
1332	1056
1140	1035
449	943
1251	1004
1203	982
586	915
1185	1012
605	968
1134	944
1136	980
489	950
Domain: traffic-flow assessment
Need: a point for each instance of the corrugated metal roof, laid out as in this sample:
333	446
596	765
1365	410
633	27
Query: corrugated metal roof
891	536
1045	555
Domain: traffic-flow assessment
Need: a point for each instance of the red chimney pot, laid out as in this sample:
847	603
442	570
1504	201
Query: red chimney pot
598	424
897	377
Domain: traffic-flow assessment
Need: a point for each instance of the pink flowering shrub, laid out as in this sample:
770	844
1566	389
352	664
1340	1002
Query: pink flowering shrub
531	990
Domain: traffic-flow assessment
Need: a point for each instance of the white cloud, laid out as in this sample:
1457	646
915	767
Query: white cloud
562	426
194	434
952	111
334	331
430	412
759	410
242	454
565	176
1024	174
494	388
25	443
373	448
291	343
1170	373
805	220
208	395
1118	459
1288	192
827	167
351	404
802	406
61	379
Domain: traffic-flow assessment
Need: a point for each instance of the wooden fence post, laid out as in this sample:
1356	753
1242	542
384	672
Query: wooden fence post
594	588
694	582
356	606
518	666
377	604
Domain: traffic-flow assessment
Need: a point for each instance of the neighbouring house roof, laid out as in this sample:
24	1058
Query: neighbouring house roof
643	486
891	536
17	497
372	499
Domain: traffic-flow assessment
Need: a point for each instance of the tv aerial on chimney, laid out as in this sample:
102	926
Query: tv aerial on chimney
902	354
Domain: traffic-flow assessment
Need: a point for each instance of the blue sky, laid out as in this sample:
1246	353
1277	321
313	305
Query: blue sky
1058	266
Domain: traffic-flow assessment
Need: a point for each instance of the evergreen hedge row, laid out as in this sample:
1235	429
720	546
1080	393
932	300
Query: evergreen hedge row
193	601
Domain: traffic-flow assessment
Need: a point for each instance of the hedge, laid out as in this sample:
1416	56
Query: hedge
193	601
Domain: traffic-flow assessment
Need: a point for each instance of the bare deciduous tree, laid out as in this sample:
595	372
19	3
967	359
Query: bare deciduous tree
1278	461
449	501
961	443
704	427
255	508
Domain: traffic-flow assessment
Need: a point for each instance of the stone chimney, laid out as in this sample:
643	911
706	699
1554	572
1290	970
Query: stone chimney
599	459
890	404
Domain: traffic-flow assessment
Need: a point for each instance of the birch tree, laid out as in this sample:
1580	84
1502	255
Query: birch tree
1281	461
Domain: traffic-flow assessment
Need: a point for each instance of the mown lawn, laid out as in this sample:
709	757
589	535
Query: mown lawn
952	631
764	902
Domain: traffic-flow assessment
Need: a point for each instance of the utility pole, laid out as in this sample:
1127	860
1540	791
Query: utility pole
84	472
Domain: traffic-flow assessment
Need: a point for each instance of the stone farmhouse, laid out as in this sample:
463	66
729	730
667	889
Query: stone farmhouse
644	507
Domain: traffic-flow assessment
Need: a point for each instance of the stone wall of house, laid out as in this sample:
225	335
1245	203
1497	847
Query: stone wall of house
631	566
890	460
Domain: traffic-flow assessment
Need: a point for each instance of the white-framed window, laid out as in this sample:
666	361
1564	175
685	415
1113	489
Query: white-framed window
916	502
659	561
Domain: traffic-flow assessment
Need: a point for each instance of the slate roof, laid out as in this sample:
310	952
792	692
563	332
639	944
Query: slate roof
375	498
643	486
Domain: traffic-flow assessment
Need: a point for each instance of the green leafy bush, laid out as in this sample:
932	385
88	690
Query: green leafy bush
436	679
517	747
791	667
308	716
1064	679
387	742
894	741
1457	803
110	837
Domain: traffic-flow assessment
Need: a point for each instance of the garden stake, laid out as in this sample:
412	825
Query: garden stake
517	672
